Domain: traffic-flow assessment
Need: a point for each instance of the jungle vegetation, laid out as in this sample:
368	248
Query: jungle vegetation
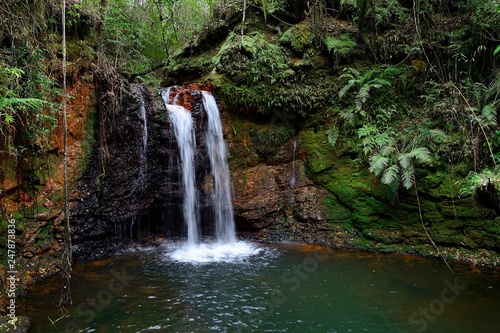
412	82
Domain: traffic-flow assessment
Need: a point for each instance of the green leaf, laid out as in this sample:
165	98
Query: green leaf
8	118
421	154
489	115
345	89
407	177
496	50
404	160
333	135
378	162
390	175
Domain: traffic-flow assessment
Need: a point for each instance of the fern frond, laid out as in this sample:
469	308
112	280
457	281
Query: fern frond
333	135
381	82
421	154
352	72
367	130
390	175
438	135
345	89
404	160
407	177
387	150
347	115
362	95
489	115
383	139
378	163
263	2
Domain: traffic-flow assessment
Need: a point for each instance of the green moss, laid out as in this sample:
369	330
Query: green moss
320	154
269	140
335	211
252	58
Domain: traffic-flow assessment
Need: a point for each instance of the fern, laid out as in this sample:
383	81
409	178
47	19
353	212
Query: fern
362	96
421	154
378	163
333	135
408	177
384	139
367	130
404	160
345	89
347	115
489	115
390	175
387	150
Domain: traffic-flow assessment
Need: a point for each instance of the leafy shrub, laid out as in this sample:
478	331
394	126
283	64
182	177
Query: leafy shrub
27	108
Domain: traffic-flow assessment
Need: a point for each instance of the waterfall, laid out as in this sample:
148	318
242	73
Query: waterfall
226	247
165	94
143	158
182	125
292	180
222	200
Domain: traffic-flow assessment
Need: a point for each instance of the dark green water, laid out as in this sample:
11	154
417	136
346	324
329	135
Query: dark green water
283	288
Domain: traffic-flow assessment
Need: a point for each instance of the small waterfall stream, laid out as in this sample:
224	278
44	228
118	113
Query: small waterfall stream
182	125
222	200
292	180
144	151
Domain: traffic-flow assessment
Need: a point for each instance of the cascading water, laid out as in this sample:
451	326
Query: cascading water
222	201
226	247
292	180
144	150
182	125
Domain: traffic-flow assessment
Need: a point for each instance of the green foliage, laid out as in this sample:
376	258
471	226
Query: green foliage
253	59
341	46
497	49
298	36
141	34
372	79
27	108
476	180
333	135
484	113
362	6
386	11
292	98
392	156
270	140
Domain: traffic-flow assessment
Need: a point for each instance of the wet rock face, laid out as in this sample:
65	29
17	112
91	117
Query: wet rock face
114	200
122	195
275	201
